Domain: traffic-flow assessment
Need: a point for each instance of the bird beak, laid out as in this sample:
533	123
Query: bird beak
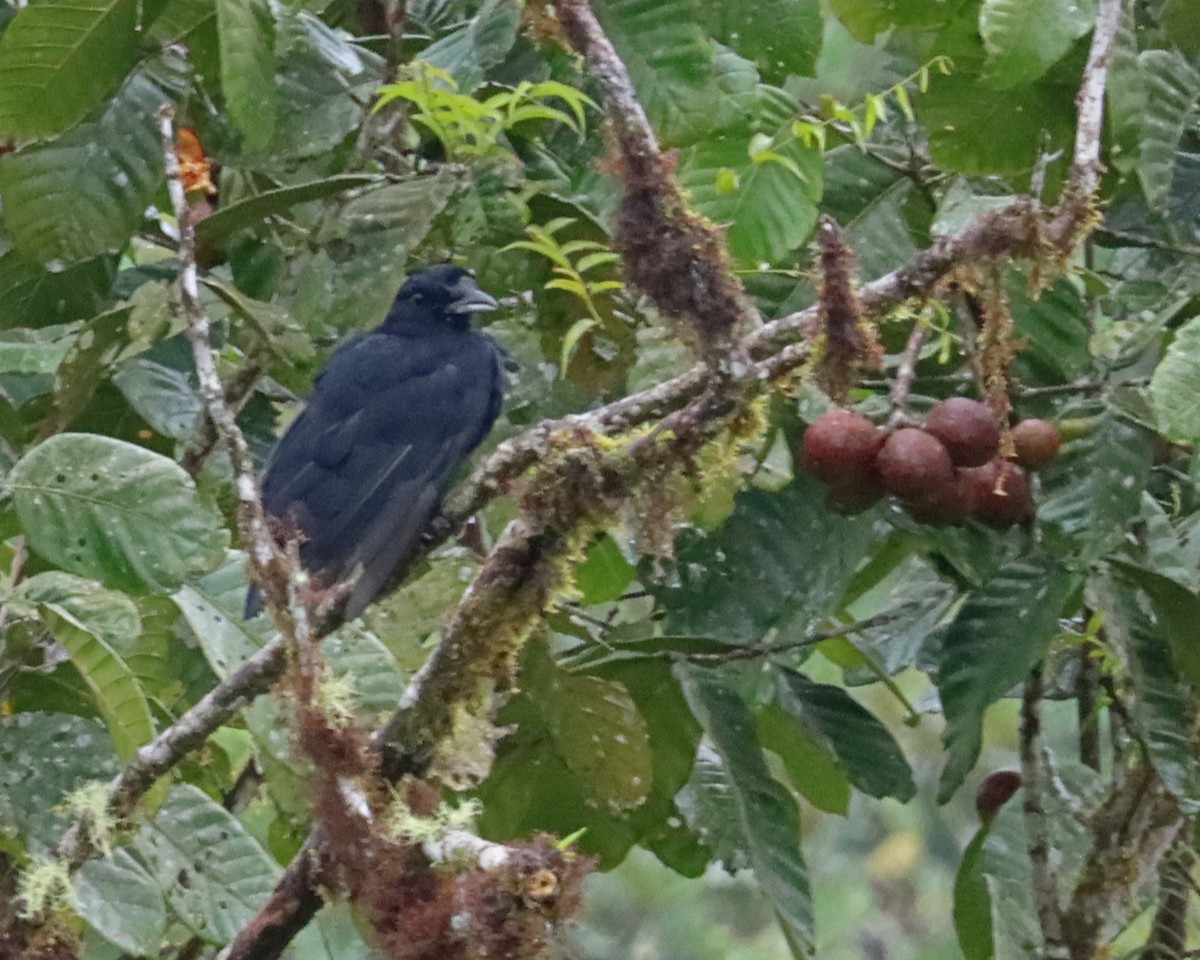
472	300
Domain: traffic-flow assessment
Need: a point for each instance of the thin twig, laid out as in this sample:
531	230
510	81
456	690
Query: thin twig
1033	778
906	372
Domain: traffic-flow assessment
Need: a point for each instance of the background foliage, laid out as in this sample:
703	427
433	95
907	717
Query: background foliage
789	672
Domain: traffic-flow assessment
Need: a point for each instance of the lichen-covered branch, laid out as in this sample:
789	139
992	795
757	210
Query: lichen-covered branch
1034	778
1131	834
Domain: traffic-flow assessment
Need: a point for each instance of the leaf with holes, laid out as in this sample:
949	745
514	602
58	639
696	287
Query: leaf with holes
782	37
119	900
1000	632
58	60
119	513
86	192
214	875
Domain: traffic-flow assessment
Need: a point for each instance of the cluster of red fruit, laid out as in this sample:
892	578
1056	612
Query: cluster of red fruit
946	472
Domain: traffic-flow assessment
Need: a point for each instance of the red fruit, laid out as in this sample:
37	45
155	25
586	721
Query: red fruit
952	504
1036	442
1003	494
967	429
913	464
840	448
995	792
848	497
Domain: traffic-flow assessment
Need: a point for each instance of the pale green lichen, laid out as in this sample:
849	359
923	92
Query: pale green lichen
89	804
402	825
44	887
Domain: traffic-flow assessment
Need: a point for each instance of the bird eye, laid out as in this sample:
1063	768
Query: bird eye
418	298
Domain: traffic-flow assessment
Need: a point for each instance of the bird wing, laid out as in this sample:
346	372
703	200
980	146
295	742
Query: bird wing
367	462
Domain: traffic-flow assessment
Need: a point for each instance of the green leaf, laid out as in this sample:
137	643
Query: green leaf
43	757
91	624
1176	611
1024	38
376	680
864	748
1176	383
254	210
750	819
973	902
605	574
1172	88
685	88
120	901
962	116
773	206
1093	490
86	192
999	634
36	296
782	37
214	876
1164	709
27	356
866	18
108	509
247	38
596	729
482	42
780	561
811	766
58	60
162	395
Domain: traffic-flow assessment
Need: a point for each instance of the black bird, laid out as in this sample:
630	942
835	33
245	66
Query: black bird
364	467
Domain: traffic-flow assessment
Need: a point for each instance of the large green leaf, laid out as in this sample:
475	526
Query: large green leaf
108	509
1000	632
767	203
1172	87
86	192
1093	490
93	624
866	18
674	67
781	36
480	43
163	396
120	901
744	814
36	296
863	746
35	354
247	37
810	764
962	118
43	757
1024	38
1176	384
58	60
1164	708
214	876
780	561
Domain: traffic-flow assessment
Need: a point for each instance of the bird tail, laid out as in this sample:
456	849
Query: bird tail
253	603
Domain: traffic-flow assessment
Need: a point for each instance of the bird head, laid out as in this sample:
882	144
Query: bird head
441	294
